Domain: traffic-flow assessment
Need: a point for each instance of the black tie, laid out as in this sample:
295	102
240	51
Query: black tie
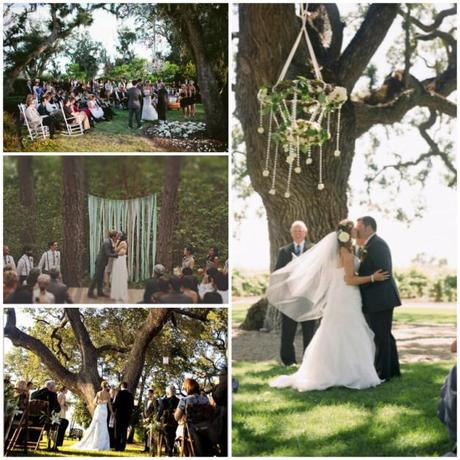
297	250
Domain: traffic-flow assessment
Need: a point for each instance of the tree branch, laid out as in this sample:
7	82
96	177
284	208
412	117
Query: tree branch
437	21
337	26
21	339
368	38
201	317
111	347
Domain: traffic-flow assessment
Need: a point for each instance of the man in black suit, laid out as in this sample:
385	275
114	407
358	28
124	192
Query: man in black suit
298	246
166	409
123	406
150	407
105	252
379	299
134	104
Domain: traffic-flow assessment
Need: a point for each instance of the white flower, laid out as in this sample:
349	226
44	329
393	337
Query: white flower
337	96
343	237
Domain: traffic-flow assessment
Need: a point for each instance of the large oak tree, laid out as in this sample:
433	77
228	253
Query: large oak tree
266	35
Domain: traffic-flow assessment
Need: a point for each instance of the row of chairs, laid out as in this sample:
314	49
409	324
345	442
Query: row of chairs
32	420
72	126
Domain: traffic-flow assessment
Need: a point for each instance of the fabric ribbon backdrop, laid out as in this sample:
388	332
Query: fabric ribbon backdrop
137	218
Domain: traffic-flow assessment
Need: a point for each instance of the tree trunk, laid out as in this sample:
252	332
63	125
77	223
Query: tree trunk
27	201
214	108
152	326
73	169
169	211
267	33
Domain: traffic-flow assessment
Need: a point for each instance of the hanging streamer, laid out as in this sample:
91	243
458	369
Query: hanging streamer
137	218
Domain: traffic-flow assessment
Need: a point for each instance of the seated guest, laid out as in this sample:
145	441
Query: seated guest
188	285
447	406
10	284
193	398
35	119
175	296
58	288
94	108
212	298
163	289
22	394
73	112
151	286
42	295
214	281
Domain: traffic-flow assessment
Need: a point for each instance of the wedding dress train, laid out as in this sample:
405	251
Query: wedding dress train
96	436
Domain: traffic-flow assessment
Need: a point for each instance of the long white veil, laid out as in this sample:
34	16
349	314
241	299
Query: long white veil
299	290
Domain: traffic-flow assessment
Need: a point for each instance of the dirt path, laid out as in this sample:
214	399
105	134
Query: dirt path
416	342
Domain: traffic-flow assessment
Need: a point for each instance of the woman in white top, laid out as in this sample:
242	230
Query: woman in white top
94	108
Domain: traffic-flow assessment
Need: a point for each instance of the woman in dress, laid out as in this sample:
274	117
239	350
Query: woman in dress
71	111
322	283
94	108
188	260
96	436
183	99
119	282
148	111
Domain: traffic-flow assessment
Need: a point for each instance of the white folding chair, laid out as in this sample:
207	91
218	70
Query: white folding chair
73	127
34	131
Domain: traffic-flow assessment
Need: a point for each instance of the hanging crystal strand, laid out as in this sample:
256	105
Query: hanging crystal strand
337	146
309	158
328	125
287	115
288	187
272	190
260	129
297	169
266	172
320	184
283	116
314	113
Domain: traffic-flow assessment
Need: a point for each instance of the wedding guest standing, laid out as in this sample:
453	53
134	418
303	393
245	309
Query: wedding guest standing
150	407
162	105
299	245
25	264
166	410
64	423
188	261
50	259
7	258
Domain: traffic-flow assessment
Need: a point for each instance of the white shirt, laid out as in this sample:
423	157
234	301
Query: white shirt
25	264
302	245
8	260
50	259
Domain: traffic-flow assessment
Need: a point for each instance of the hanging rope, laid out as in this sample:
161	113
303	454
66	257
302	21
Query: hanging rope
303	15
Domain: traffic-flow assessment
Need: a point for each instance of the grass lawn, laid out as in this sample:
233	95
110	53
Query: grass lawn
108	136
394	419
132	450
402	314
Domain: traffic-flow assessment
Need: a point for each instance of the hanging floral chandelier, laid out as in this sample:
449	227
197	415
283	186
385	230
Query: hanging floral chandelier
299	116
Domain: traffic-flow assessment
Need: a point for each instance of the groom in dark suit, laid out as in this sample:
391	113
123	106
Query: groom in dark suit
379	299
299	245
134	104
105	252
123	406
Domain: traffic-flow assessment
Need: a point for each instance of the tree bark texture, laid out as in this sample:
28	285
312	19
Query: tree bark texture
27	200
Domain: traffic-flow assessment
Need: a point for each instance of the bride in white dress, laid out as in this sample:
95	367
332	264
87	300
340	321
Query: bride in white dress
148	111
322	283
119	281
96	436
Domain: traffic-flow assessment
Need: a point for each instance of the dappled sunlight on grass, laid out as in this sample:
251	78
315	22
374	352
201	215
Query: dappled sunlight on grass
397	418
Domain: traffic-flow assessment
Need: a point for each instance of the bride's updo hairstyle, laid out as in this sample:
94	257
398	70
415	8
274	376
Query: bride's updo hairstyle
104	384
344	229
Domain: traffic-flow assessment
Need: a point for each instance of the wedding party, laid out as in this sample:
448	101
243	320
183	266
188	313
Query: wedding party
344	284
150	231
115	77
140	397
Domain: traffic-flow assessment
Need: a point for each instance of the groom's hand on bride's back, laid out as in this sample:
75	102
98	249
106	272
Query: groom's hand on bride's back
380	275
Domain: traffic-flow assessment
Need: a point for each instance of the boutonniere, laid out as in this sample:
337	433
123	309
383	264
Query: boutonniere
363	253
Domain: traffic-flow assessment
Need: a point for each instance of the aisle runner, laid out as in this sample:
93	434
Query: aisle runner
137	218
